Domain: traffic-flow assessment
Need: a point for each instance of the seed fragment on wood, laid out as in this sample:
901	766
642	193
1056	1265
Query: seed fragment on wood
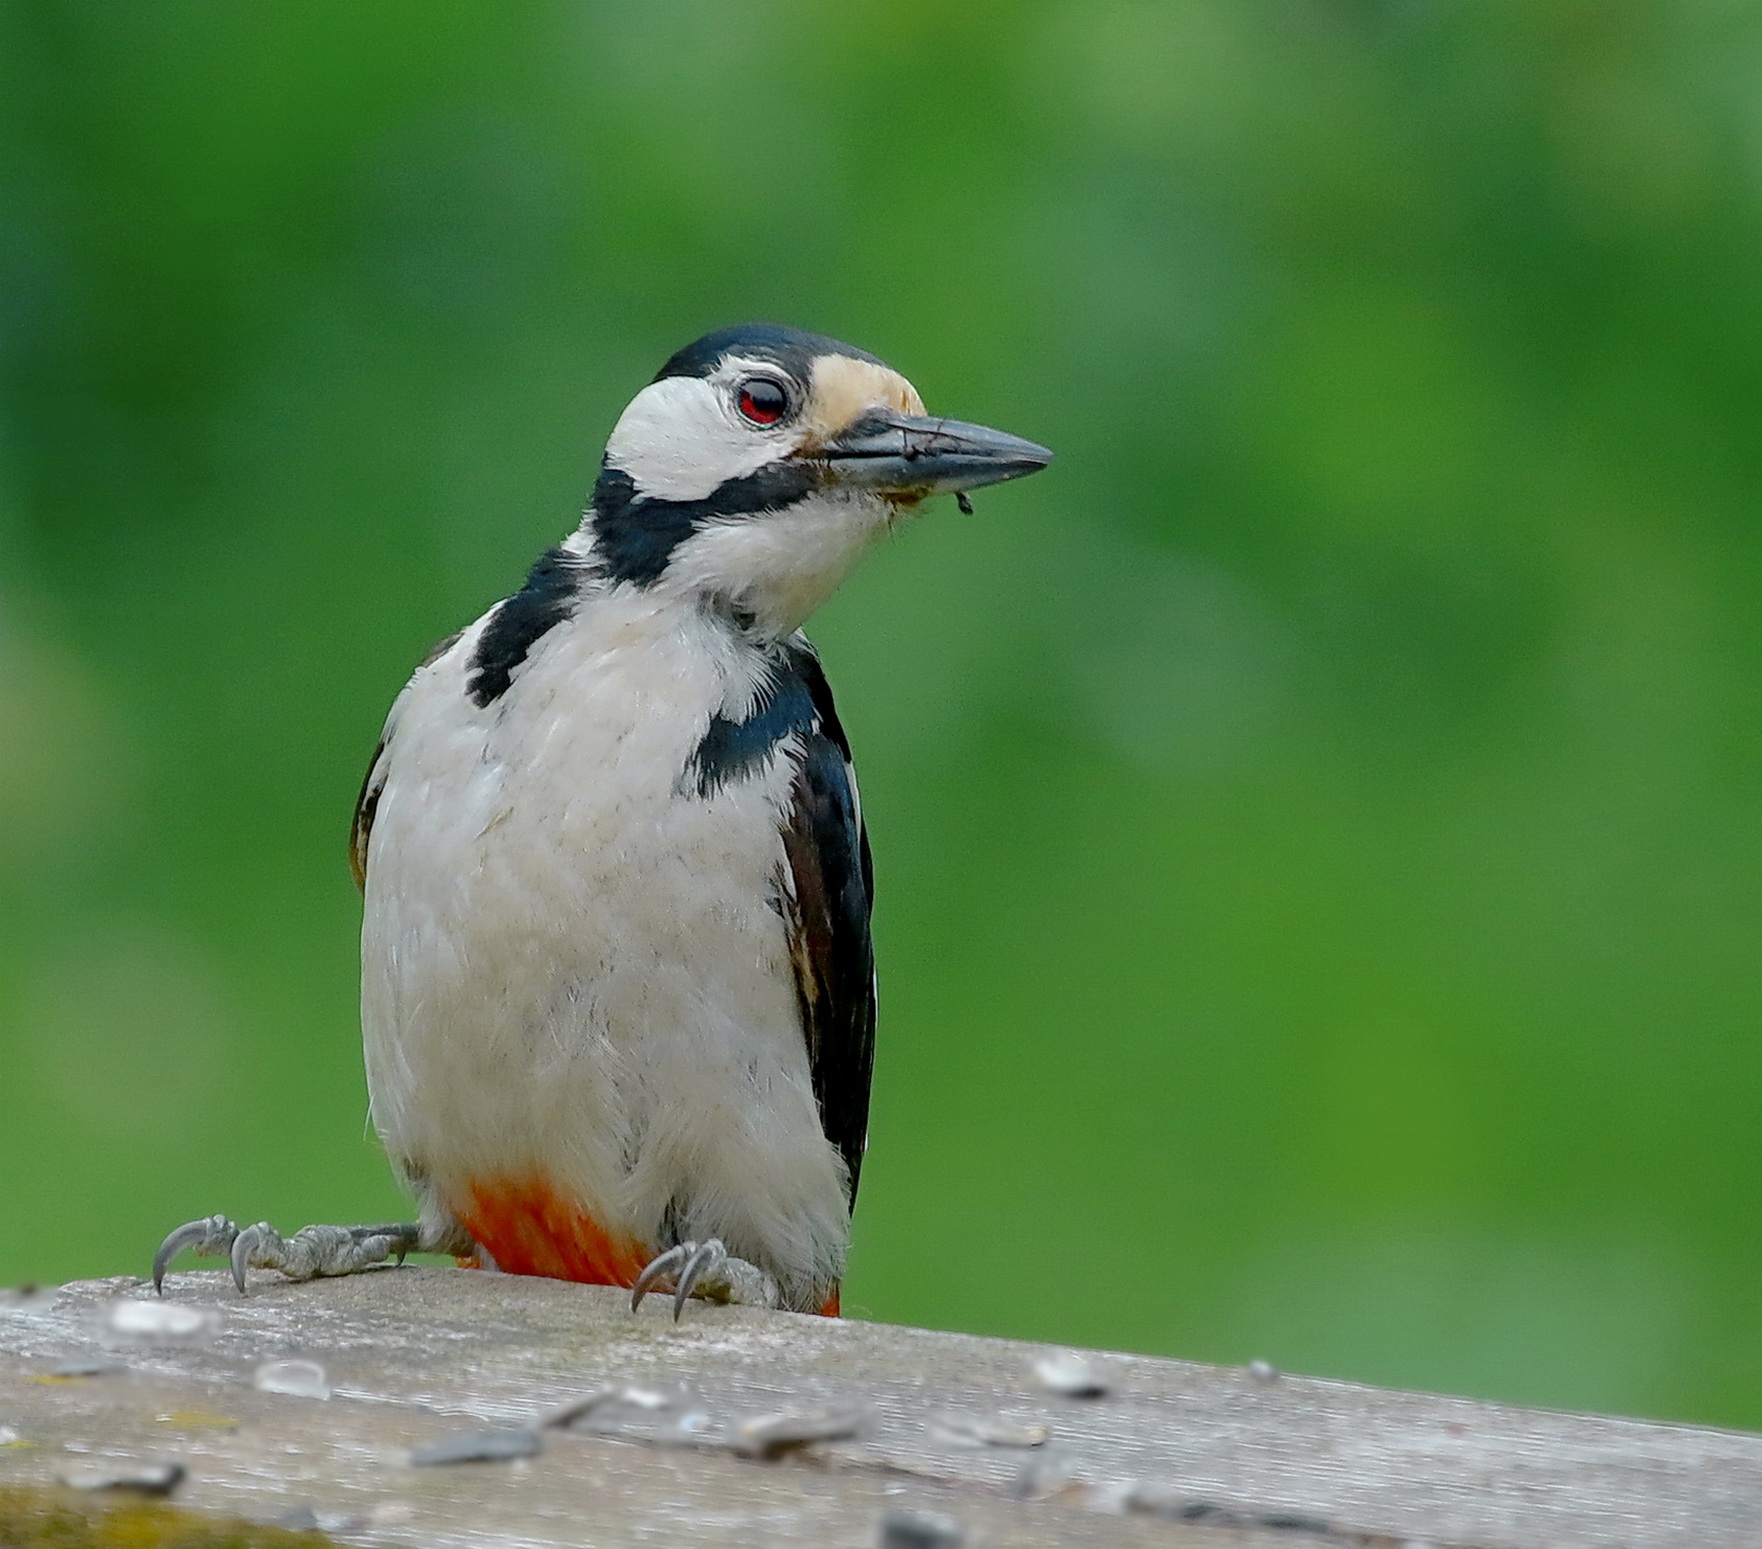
920	1530
566	1414
197	1420
1042	1474
669	1414
981	1431
1294	1522
141	1478
769	1436
1165	1500
299	1379
688	1430
346	1524
1066	1373
87	1368
498	1445
131	1318
28	1298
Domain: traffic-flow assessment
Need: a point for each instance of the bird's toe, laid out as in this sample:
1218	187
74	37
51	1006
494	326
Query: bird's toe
707	1271
310	1252
663	1266
210	1237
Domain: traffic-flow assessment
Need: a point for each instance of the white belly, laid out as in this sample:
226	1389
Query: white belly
576	973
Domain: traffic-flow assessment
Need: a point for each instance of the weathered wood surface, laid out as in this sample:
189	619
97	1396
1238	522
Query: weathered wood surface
418	1353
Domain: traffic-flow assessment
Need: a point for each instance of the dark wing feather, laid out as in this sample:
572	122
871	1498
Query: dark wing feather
373	782
366	804
828	855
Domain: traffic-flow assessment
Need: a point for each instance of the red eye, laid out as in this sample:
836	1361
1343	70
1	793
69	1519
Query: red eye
763	401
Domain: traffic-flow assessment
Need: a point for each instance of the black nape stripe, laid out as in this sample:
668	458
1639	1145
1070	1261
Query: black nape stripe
547	598
634	538
635	534
731	750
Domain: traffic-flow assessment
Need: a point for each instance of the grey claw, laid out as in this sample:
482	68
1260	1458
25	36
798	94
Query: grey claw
657	1270
243	1246
701	1259
189	1235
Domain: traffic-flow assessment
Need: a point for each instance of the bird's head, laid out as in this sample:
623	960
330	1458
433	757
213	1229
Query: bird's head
761	462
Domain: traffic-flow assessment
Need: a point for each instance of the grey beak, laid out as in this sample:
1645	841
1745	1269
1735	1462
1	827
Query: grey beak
912	454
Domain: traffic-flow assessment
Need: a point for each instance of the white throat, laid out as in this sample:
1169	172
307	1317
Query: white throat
780	566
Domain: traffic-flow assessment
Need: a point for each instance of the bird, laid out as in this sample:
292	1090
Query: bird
618	989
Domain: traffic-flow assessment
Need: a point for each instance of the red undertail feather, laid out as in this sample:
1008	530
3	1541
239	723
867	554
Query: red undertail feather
528	1228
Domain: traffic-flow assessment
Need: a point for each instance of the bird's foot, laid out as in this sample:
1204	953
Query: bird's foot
310	1252
706	1270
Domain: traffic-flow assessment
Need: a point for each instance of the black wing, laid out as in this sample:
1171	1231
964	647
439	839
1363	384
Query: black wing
828	914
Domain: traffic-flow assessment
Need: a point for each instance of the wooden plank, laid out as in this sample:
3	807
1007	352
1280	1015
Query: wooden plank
1172	1453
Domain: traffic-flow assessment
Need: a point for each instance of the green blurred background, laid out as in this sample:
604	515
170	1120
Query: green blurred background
1317	822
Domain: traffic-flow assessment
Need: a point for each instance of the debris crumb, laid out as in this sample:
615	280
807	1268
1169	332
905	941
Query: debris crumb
566	1414
1164	1500
492	1446
973	1431
197	1420
304	1519
300	1379
1067	1373
135	1319
920	1530
1043	1474
689	1428
87	1368
770	1436
141	1478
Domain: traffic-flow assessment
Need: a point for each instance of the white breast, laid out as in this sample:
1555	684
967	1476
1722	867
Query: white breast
575	970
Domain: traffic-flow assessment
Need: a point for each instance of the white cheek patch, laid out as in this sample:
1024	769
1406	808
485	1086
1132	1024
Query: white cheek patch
680	440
